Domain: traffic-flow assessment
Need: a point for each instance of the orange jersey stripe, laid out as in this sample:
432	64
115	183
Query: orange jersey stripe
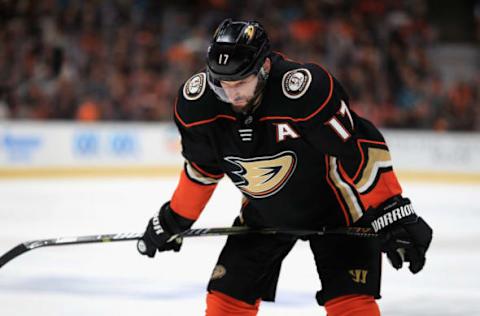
286	57
386	187
219	116
211	175
190	198
325	102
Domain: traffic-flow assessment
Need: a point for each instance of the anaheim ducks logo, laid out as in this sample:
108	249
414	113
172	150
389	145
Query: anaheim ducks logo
261	177
249	31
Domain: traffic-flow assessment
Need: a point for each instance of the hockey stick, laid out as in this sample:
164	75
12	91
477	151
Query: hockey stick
198	232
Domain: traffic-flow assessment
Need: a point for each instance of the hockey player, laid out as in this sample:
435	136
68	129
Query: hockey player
284	133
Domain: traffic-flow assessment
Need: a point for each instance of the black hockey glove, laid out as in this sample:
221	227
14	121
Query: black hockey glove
404	235
162	230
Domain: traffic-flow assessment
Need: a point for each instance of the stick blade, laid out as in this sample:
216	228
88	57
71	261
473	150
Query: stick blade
13	253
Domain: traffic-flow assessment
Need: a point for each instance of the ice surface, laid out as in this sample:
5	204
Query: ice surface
112	279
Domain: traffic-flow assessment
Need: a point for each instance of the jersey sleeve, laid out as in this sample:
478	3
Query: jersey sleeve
201	172
197	149
331	126
192	116
357	158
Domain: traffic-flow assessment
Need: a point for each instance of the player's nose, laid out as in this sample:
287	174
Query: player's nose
233	93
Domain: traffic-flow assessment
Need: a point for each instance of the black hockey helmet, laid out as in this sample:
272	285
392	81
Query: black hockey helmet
238	49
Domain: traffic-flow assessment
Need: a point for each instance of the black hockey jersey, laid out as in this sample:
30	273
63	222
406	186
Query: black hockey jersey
302	159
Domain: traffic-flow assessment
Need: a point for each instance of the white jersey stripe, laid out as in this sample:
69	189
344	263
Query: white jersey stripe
347	193
197	176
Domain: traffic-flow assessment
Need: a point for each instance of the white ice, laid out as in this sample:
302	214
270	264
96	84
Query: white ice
112	279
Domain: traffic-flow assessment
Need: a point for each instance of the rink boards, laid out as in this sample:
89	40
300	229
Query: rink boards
65	149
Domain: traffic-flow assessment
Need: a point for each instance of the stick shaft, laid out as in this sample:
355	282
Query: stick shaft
197	232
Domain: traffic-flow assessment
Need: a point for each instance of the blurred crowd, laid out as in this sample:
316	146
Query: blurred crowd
125	59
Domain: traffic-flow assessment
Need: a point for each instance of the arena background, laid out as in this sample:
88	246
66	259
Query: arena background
87	144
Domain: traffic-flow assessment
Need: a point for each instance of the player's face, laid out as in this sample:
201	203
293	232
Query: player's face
240	92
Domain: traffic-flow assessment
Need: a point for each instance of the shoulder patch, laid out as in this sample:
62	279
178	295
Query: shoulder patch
296	82
194	88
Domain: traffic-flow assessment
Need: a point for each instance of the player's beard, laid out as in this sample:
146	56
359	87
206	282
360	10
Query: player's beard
253	102
249	107
244	108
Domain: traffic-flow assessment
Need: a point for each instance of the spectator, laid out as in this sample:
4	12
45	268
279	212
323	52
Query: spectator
127	57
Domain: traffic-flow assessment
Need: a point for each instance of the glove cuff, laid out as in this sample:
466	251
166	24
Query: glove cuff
171	222
397	210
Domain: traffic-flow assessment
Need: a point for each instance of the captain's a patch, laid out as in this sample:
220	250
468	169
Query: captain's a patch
195	86
296	82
